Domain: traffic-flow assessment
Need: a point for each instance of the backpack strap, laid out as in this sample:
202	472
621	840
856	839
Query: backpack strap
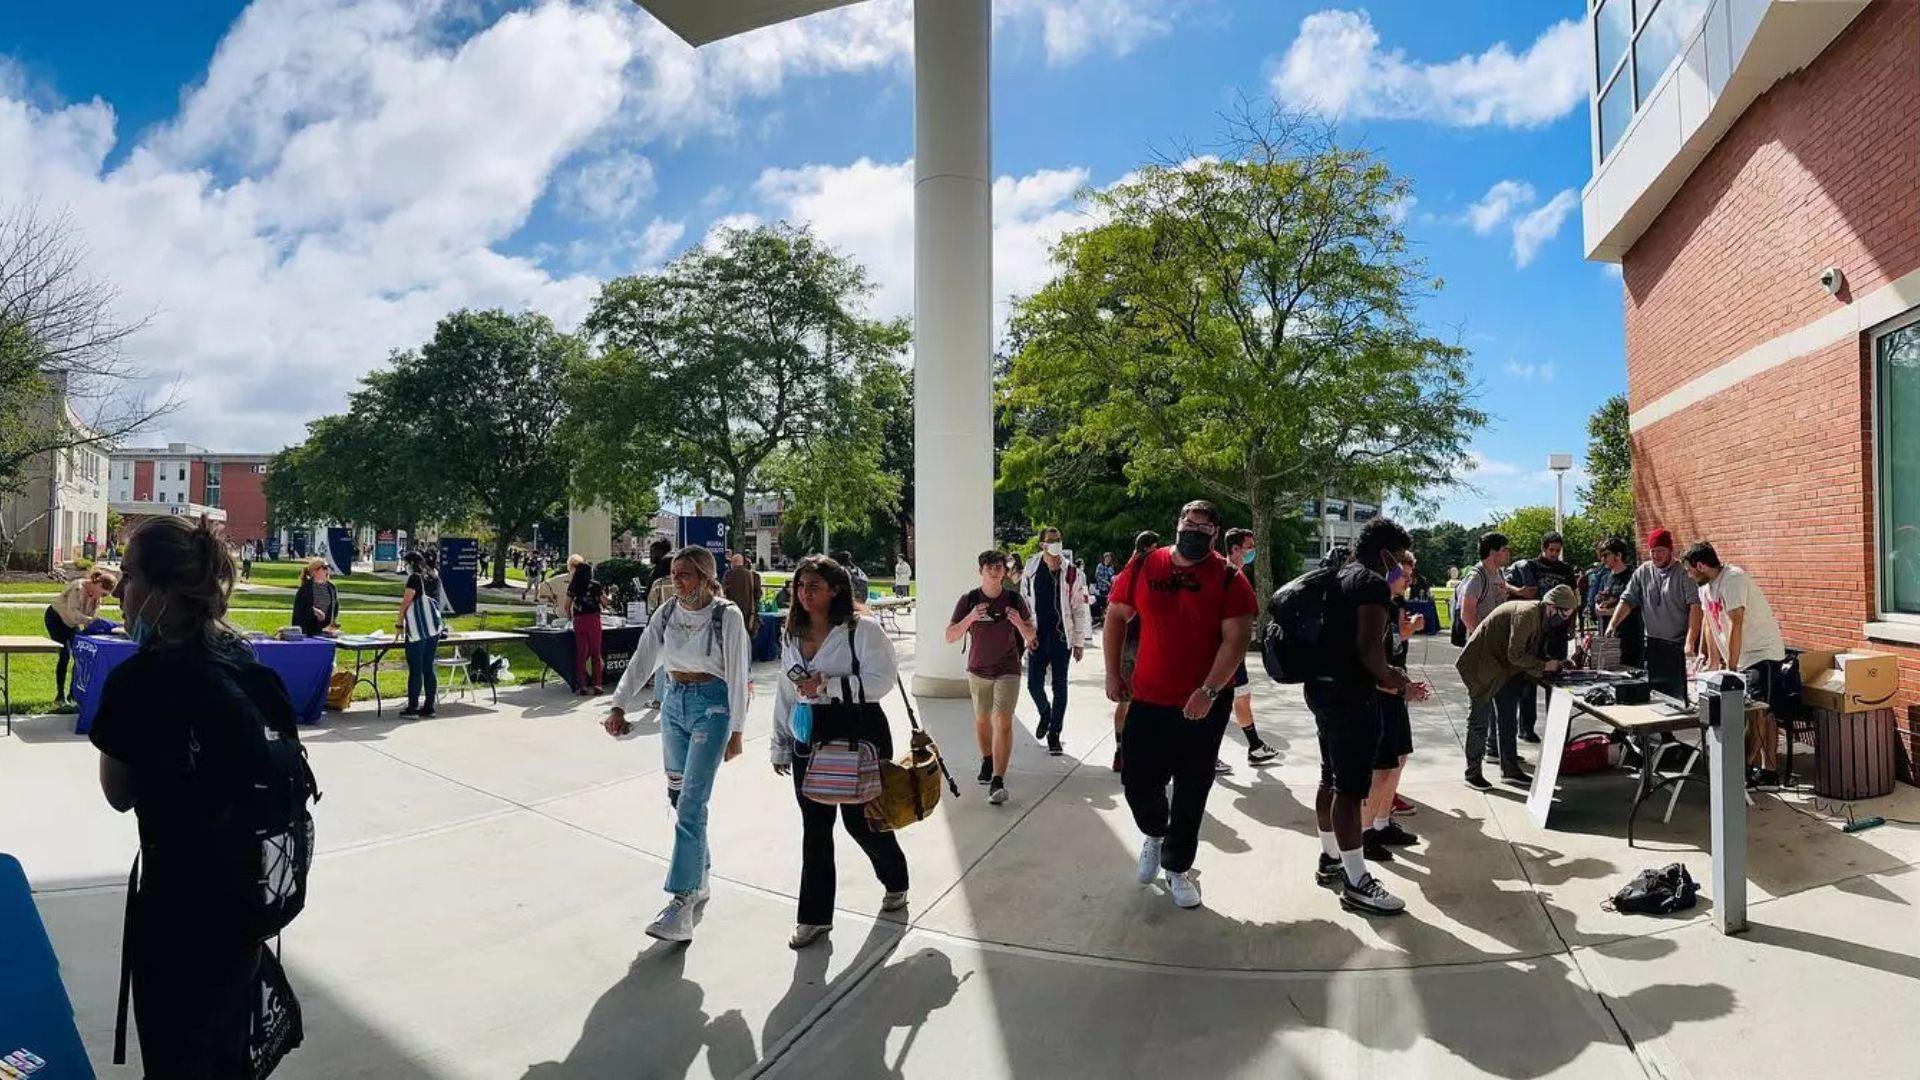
126	965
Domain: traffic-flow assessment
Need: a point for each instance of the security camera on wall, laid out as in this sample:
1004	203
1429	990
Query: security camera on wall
1833	280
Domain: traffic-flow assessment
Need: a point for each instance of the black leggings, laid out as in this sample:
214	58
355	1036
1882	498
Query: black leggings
59	631
817	876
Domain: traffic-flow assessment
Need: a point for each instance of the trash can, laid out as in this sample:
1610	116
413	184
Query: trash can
1853	754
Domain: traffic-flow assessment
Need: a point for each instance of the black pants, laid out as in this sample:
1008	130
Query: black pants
1667	666
1160	745
192	989
59	631
817	878
1053	655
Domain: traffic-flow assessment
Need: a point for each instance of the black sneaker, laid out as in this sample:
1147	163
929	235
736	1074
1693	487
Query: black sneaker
1372	848
1529	736
1370	897
1328	871
426	713
986	769
1395	836
1516	776
996	791
411	710
1040	731
1477	781
1053	745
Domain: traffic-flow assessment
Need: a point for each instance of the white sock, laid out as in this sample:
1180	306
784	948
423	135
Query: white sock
1329	845
1380	822
1355	866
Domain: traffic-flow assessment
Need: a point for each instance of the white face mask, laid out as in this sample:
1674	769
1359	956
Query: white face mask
1055	548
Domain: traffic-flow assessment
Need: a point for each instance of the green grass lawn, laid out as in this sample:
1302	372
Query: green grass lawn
32	676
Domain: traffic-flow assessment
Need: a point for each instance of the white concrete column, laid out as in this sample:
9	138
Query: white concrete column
589	532
952	320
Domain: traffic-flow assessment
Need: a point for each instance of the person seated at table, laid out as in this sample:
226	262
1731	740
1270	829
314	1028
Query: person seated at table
316	604
179	733
421	626
77	611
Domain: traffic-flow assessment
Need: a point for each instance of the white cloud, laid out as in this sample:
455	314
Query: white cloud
609	188
1071	29
1336	67
1533	229
1479	467
865	209
1540	372
1498	204
1401	209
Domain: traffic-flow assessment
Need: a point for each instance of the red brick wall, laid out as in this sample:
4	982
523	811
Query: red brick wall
197	481
1822	170
244	499
143	481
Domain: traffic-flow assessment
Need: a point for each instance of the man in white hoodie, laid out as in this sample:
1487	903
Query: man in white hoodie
1056	593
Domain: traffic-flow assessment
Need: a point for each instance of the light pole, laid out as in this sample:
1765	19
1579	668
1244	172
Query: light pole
1559	463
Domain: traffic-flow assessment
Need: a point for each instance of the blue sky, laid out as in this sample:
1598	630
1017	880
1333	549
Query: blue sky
293	188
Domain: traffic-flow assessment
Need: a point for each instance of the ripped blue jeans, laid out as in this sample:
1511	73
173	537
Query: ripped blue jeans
694	728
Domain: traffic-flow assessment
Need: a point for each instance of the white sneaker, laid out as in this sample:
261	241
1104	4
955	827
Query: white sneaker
1368	895
1149	860
1185	890
805	934
677	919
894	901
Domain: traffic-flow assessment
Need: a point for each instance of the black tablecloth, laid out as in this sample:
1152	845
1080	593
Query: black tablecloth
555	649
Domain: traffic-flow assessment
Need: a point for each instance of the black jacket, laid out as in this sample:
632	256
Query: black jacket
303	605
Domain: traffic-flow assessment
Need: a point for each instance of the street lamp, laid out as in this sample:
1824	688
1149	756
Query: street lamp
1559	463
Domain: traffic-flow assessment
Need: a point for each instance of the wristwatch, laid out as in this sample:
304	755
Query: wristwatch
1212	692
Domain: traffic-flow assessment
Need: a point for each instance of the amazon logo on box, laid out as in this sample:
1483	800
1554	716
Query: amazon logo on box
1849	682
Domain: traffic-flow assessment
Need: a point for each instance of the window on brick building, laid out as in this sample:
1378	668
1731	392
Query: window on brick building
1634	43
1896	357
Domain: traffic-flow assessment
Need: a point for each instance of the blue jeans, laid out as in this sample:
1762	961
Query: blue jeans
1053	655
420	656
695	725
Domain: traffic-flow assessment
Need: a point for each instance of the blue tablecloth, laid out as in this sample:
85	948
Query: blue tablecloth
305	666
1429	609
35	1015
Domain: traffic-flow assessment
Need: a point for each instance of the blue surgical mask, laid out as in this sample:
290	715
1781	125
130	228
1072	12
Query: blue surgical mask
140	628
1248	557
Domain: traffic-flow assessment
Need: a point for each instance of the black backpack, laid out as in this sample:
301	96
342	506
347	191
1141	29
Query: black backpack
1655	892
1291	649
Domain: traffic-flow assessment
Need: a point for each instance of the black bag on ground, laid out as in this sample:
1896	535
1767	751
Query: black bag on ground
1291	649
1656	892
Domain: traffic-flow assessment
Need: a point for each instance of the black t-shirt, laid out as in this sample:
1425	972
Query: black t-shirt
1396	642
169	712
1358	587
1046	602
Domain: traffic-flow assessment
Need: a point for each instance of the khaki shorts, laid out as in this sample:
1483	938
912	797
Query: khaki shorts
993	697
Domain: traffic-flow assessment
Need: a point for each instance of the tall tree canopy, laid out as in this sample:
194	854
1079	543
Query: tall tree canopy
1608	492
1242	327
732	354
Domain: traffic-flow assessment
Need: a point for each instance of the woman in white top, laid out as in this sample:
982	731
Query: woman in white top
701	643
822	636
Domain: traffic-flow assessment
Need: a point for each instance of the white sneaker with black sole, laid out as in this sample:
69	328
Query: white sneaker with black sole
1260	755
1370	897
1149	860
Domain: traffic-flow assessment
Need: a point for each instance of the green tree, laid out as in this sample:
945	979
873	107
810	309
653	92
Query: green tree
1607	495
1243	327
1525	526
485	415
730	355
1445	546
837	480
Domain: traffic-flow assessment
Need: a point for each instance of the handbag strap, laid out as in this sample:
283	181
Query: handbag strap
853	650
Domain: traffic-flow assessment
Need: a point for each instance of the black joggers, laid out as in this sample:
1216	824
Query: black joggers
817	879
1160	745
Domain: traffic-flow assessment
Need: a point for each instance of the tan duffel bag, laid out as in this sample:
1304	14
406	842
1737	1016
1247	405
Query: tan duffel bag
910	787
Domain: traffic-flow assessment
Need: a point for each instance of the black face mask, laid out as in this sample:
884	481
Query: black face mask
1193	543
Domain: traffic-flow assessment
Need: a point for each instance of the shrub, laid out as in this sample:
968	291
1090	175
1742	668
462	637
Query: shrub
28	560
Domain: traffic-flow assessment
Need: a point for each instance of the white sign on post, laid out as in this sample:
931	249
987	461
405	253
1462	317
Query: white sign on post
1552	742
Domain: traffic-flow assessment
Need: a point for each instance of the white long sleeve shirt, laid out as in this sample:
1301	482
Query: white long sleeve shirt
681	640
878	674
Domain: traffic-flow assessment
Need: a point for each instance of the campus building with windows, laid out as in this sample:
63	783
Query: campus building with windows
181	479
1756	176
62	500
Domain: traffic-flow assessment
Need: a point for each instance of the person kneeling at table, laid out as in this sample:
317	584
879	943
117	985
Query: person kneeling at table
76	612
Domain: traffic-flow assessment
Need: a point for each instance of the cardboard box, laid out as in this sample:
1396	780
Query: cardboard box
1849	682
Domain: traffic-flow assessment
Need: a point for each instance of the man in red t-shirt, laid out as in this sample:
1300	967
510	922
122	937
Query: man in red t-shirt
1195	616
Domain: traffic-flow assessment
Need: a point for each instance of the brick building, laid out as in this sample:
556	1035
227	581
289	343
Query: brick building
1757	178
192	481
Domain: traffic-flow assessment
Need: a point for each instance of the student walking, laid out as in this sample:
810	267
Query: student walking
1056	593
584	596
700	642
75	611
1240	555
1344	701
179	731
421	626
1195	614
834	654
997	626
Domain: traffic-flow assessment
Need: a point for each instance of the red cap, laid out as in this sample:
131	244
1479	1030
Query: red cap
1660	538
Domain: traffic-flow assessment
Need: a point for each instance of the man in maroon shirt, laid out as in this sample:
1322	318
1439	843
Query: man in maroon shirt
1195	616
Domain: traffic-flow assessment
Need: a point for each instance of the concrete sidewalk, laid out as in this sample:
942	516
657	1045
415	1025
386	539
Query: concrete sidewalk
485	878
